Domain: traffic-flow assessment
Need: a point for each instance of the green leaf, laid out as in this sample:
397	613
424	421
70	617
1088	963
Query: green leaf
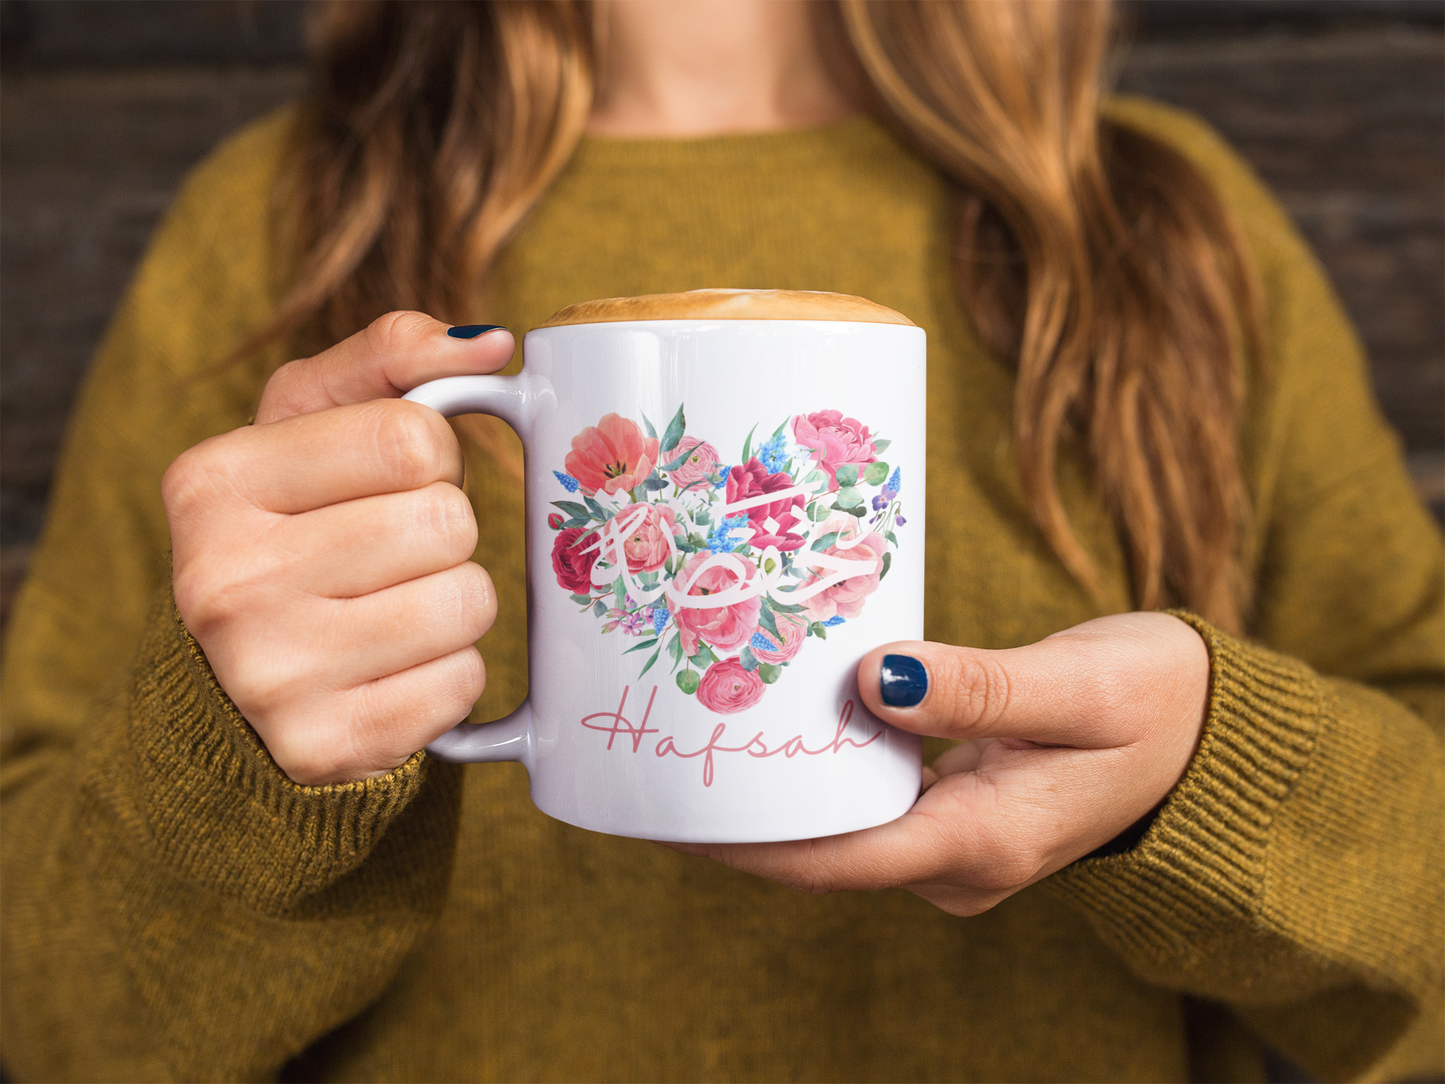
848	497
769	672
651	432
674	431
599	608
782	608
847	474
703	518
818	630
642	646
679	461
813	477
779	430
887	564
769	622
748	447
823	543
770	566
572	508
818	512
688	681
578	521
582	600
683	545
881	446
860	511
619	591
876	474
704	657
748	659
697	540
674	647
597	510
891	537
650	661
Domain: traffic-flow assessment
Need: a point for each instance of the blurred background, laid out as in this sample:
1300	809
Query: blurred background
1340	104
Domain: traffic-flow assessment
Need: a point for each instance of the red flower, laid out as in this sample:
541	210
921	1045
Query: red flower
753	480
727	688
612	455
573	555
555	521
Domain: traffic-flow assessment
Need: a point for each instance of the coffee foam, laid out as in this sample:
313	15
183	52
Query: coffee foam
729	305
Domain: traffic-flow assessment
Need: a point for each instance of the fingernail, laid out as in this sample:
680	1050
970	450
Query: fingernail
902	682
471	331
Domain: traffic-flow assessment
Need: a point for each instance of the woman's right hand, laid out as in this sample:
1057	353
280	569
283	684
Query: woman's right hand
321	557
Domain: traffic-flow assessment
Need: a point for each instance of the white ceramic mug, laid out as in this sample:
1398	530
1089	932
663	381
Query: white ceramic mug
724	513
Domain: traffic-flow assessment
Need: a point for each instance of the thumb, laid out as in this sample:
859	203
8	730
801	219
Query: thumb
392	355
1102	684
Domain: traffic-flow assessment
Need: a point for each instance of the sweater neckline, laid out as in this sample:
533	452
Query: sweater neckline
689	151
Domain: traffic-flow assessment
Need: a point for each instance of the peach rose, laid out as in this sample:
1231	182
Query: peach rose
700	462
765	646
833	441
648	527
727	688
612	455
846	598
721	627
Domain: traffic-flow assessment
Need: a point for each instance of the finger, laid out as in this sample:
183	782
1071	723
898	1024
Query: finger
1103	683
357	547
384	722
392	355
314	460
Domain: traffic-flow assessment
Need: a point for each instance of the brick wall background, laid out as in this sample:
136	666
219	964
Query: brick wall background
1339	103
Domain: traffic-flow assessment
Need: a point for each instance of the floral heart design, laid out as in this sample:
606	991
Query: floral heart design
729	570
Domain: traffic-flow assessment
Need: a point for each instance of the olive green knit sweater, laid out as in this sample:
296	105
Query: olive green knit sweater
175	908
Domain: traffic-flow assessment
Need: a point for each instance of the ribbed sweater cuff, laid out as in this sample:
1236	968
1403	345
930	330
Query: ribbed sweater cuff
217	804
1201	863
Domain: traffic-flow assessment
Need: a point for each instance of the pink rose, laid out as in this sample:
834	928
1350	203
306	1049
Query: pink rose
794	628
727	688
573	555
700	462
721	627
834	441
845	599
612	456
648	528
772	524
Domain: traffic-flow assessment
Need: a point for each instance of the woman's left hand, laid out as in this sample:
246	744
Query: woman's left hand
1065	744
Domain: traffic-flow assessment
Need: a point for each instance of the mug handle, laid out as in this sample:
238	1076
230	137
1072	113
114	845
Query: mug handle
516	400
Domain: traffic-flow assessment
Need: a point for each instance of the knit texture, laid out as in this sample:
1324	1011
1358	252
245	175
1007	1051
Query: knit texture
175	908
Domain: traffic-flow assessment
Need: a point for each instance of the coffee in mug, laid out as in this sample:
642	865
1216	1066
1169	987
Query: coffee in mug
724	510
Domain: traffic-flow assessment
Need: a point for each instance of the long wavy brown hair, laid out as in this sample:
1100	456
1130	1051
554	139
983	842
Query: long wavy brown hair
1093	257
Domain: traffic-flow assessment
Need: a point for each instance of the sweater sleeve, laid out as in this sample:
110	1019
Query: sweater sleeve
173	906
1297	872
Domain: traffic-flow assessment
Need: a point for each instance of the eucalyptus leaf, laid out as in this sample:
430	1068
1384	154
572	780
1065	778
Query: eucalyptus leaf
674	647
881	446
847	474
654	483
769	672
674	432
818	512
849	497
688	681
582	600
876	474
599	608
818	630
748	659
813	477
619	591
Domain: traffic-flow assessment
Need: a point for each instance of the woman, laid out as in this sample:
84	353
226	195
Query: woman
228	861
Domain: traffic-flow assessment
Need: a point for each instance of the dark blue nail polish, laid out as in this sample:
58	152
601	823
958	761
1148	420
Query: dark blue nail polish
902	682
471	331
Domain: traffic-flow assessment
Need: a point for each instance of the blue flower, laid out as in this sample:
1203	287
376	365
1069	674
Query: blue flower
568	482
720	539
660	617
774	453
894	484
722	478
833	622
762	643
880	502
